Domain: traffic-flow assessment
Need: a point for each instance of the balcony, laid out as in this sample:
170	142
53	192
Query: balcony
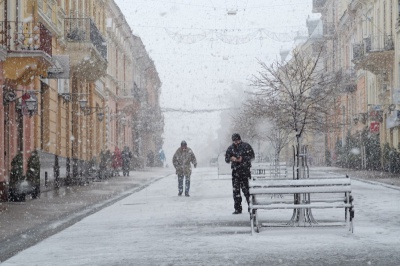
52	16
29	50
375	54
126	96
87	47
358	51
125	89
318	6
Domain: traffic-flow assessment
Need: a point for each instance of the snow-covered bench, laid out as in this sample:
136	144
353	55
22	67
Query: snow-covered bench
304	195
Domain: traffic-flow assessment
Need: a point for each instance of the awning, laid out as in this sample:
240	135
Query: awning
60	68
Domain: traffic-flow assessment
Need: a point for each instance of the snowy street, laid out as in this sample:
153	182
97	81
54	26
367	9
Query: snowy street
156	227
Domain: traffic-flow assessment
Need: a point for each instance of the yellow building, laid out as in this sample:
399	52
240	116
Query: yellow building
27	48
71	125
360	41
75	62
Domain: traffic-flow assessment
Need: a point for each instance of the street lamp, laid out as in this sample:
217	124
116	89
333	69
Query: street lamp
31	104
68	96
30	101
123	120
83	104
100	116
86	110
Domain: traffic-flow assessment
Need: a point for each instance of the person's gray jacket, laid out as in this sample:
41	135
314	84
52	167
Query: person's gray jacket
181	161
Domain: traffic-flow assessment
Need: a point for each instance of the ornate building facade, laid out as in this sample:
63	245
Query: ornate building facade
71	82
361	41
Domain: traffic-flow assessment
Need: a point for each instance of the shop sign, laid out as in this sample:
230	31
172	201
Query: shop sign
374	127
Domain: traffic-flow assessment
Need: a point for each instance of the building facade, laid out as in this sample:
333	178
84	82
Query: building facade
361	41
68	85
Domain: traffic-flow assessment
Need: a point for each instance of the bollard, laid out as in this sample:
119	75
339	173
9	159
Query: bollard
45	179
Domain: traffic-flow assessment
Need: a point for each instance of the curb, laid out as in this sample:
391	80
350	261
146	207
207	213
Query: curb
376	183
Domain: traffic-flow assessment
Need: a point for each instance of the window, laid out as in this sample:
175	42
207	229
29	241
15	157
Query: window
63	85
99	86
398	8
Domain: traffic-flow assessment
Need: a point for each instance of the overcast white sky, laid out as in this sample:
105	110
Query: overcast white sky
199	51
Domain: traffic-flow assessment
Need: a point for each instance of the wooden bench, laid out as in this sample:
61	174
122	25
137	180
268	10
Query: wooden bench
306	194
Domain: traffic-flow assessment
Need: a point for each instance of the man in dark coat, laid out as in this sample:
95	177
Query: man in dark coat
240	154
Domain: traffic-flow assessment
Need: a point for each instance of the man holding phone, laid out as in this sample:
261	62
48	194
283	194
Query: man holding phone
239	155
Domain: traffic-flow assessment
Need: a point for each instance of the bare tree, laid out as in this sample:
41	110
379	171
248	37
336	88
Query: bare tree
296	95
245	123
279	138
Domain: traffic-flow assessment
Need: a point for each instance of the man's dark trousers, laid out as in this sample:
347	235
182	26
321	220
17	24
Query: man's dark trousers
240	180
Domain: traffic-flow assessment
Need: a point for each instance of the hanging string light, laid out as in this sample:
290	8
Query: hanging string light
233	36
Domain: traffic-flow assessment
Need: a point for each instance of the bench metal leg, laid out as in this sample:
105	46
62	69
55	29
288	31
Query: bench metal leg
309	217
351	227
255	226
258	225
252	221
351	214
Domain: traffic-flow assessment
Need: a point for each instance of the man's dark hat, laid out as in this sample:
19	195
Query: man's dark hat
236	136
183	143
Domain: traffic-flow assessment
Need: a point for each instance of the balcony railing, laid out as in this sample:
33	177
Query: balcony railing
373	43
85	30
46	8
358	50
126	91
25	36
51	15
378	43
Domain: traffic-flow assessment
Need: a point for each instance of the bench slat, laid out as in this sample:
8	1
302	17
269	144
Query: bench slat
266	201
268	174
298	190
302	206
299	182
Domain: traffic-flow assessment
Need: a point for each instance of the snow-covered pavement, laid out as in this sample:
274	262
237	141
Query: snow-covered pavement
156	227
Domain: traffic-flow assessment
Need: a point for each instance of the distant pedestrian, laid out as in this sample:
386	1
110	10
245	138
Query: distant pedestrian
116	161
181	161
162	157
126	161
150	159
240	154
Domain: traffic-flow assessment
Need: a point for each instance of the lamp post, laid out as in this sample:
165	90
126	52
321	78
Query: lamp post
25	104
92	146
80	98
